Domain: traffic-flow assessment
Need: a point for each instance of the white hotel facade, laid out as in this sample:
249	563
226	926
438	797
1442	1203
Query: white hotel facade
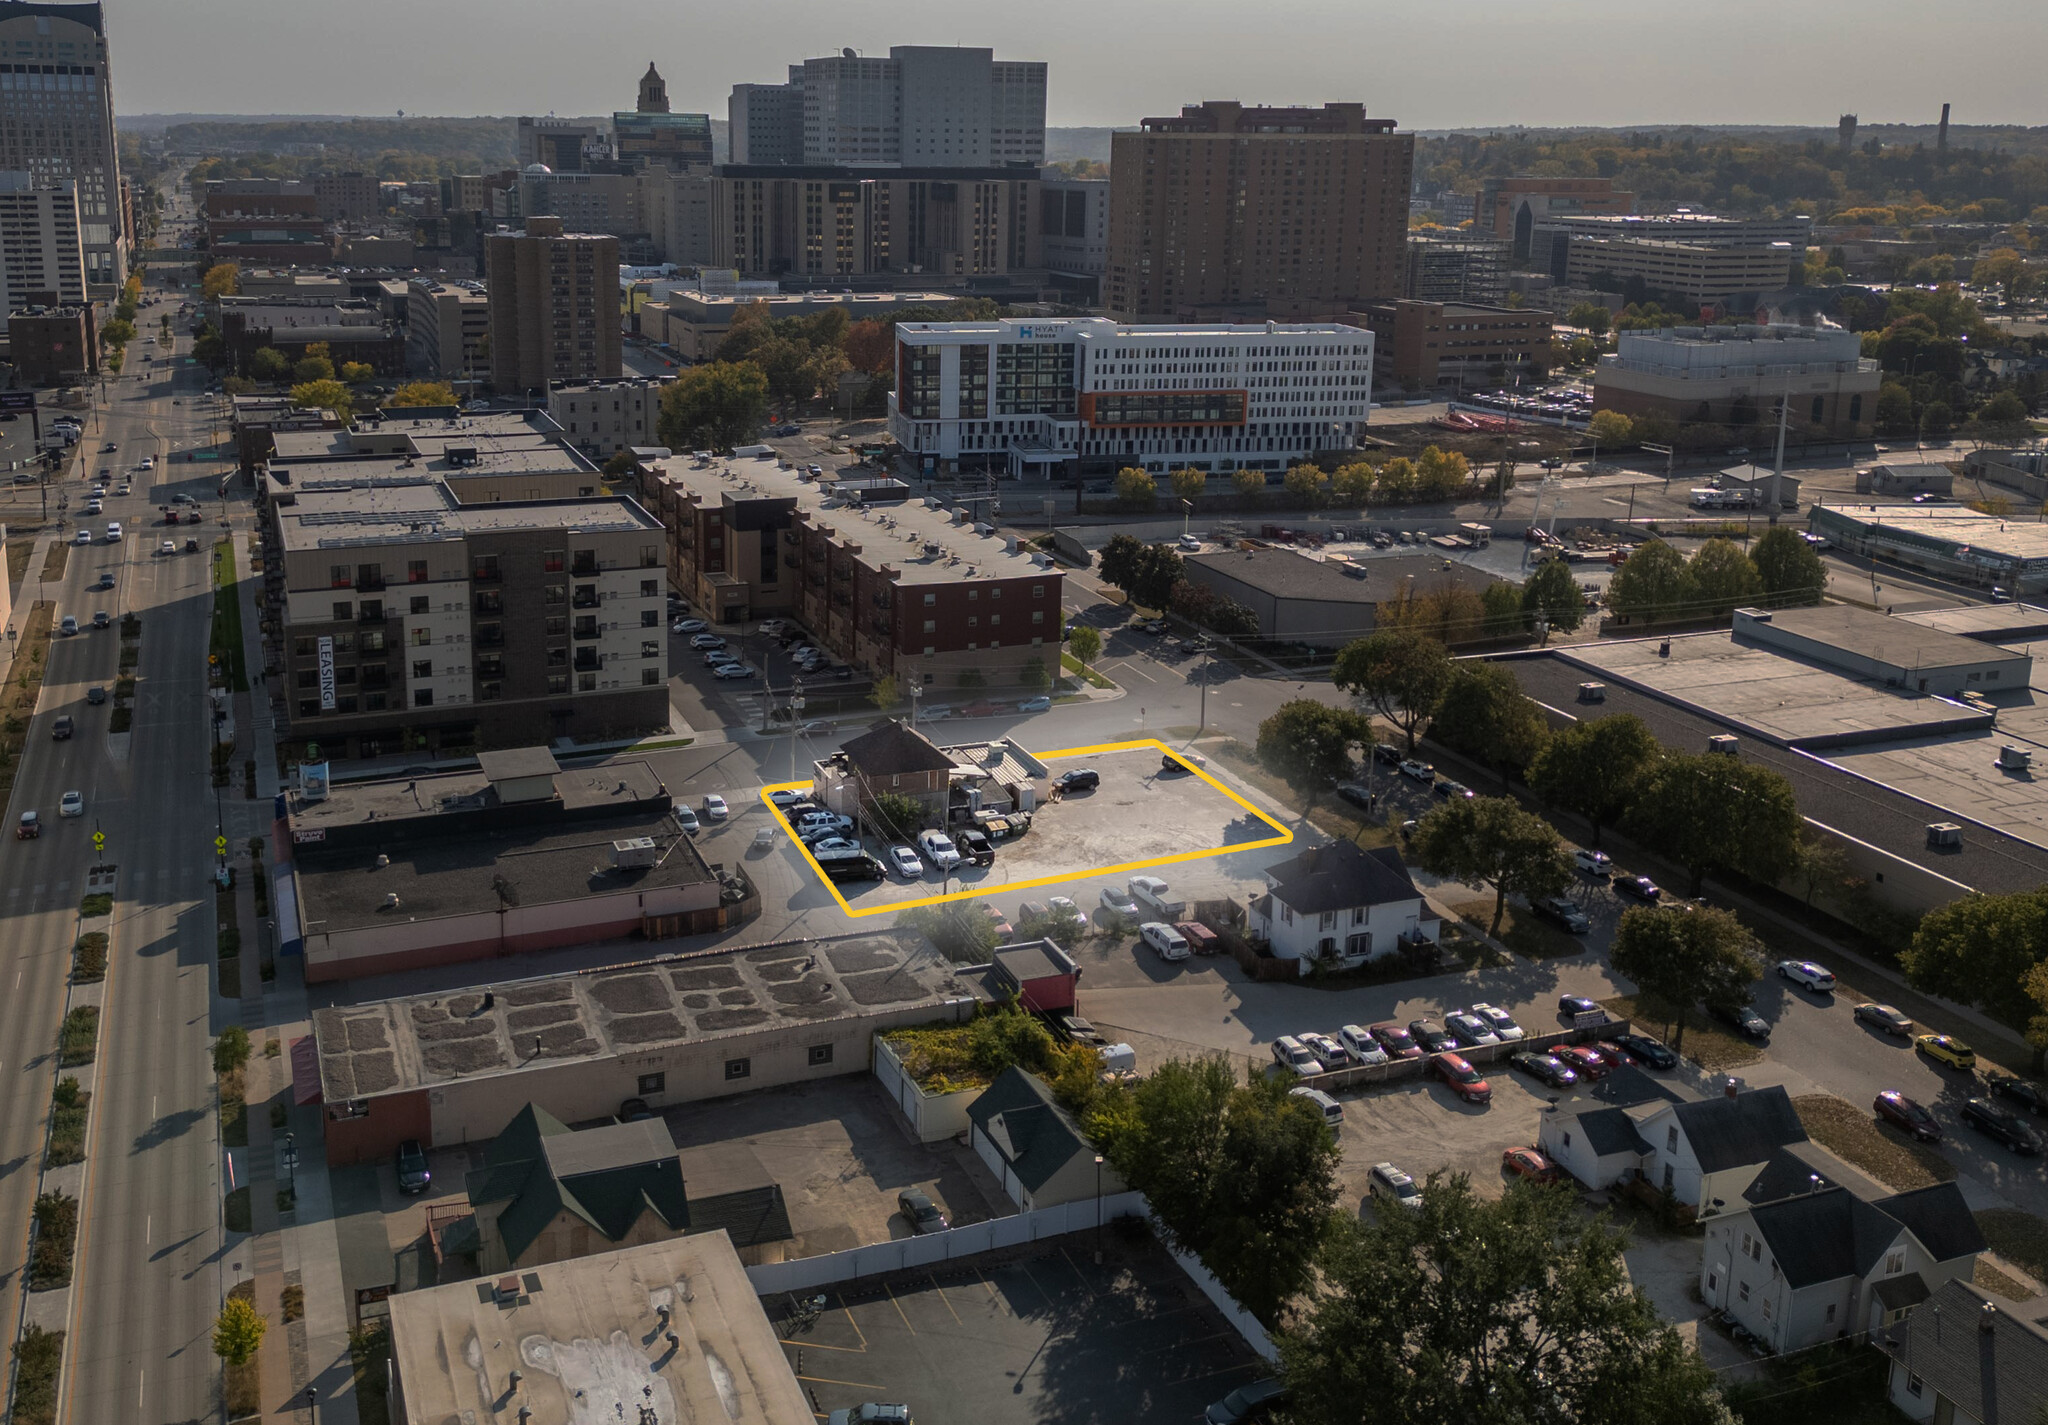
1060	396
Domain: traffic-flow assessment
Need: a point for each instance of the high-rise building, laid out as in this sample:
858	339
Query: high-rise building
1258	212
849	222
348	197
41	261
563	146
1452	267
554	306
651	137
1509	207
445	326
924	106
57	122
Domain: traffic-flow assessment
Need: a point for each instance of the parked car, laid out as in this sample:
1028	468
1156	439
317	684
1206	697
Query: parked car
1804	972
1903	1113
1397	1041
1582	1059
977	848
854	868
1562	913
1546	1067
1647	1050
1064	910
1168	943
1572	1006
686	818
1637	888
411	1165
1331	1110
1946	1049
1743	1020
871	1413
787	798
1419	770
1250	1402
634	1110
833	848
1118	900
1464	1080
2003	1125
939	849
904	862
1361	1046
1432	1036
1529	1165
920	1211
1469	1030
2023	1092
688	625
1037	704
732	670
1290	1053
1499	1021
706	640
1155	894
1387	1184
1886	1019
1453	791
715	808
1079	779
1597	864
1387	755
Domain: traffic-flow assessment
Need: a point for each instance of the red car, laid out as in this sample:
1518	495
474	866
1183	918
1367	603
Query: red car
1904	1114
1612	1055
1398	1042
1588	1063
1530	1164
1464	1080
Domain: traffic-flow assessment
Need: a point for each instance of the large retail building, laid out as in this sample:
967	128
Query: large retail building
1059	396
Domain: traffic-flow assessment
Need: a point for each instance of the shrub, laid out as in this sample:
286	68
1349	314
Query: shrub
89	958
37	1357
56	1217
231	1050
77	1041
67	1124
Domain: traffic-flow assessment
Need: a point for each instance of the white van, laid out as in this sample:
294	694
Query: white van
1164	939
1291	1053
1360	1045
1333	1111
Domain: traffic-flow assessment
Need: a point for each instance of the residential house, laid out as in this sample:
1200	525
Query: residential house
1034	1146
892	757
1704	1153
1829	1262
1965	1358
1341	906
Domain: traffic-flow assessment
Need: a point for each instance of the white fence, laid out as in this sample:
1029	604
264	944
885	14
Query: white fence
1247	1324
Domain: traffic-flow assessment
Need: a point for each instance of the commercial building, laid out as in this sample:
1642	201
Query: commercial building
600	202
1073	228
560	144
694	321
1954	542
347	197
1445	267
1509	208
483	457
57	123
554	306
253	221
1326	602
924	106
651	137
563	1342
409	618
1419	346
457	1069
601	418
42	262
674	213
1736	376
1897	653
1693	257
841	222
1281	213
902	587
1044	397
352	330
53	346
446	324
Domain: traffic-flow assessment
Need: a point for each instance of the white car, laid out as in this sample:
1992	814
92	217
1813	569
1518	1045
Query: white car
732	670
938	848
1065	911
114	532
1597	864
148	462
1038	704
1328	1051
715	808
1119	901
835	848
1169	943
1361	1046
707	640
1418	769
92	507
719	658
903	861
1804	972
84	536
72	804
687	820
1499	1021
688	625
788	797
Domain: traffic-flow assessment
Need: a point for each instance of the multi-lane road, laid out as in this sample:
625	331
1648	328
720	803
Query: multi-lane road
150	1271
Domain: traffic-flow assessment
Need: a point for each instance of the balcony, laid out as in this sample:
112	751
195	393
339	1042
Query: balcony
586	660
585	601
374	613
586	629
490	603
372	584
490	640
583	568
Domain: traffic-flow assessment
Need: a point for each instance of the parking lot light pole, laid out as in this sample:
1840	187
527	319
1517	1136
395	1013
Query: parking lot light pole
1098	1209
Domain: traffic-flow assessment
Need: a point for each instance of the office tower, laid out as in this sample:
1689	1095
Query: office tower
767	123
57	122
554	306
852	221
563	146
42	263
651	137
1257	212
1509	207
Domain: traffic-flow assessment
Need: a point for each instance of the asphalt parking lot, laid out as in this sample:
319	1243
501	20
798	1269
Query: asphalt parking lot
1012	1339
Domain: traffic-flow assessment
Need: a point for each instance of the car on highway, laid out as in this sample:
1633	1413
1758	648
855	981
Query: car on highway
1562	913
114	532
1433	1037
71	804
28	827
1637	888
2024	1092
93	507
1743	1020
96	694
1529	1164
102	619
938	849
1388	1184
732	670
1396	1040
1804	972
105	581
84	536
1885	1019
411	1166
903	861
1946	1049
920	1212
1647	1050
1546	1067
167	547
67	625
149	463
1464	1080
1903	1113
2000	1124
61	729
1117	899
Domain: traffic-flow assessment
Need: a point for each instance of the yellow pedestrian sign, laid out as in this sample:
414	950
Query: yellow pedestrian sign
99	841
220	843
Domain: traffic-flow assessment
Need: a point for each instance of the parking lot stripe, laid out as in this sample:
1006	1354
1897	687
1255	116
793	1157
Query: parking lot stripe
943	1297
856	1384
899	1309
1078	1273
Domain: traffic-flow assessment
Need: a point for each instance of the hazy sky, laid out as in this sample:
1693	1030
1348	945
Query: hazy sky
1467	62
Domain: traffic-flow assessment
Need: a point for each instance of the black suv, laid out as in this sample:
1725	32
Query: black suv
2023	1092
1994	1122
855	868
1081	779
976	847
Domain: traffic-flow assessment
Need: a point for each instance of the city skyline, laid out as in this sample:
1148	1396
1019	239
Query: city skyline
1593	67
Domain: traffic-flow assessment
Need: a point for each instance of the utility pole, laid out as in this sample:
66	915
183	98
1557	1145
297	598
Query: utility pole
1778	466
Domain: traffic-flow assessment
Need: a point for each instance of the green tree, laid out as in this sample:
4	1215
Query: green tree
1503	604
1402	674
620	465
1501	481
1307	744
208	349
329	395
1485	714
1553	595
357	372
886	692
960	931
308	369
1653	584
1516	1310
1711	813
1243	1176
1146	573
1788	569
719	405
1440	474
1188	482
117	331
1492	841
1610	428
1135	490
267	363
422	393
1723	578
1981	950
231	1050
1305	483
1248	483
1704	957
238	1332
1351	485
223	279
899	817
1592	316
1596	768
1085	643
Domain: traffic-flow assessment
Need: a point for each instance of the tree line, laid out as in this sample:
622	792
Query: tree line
1434	476
1657	584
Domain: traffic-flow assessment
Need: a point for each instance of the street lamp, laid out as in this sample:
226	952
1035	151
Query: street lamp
289	1156
1098	1209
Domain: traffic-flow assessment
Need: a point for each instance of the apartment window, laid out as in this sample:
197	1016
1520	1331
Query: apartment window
303	647
652	1083
739	1068
555	626
309	678
339	576
558	682
489	692
554	593
422	697
820	1055
650	677
930	599
551	560
1038	616
492	667
650	618
484	568
1671	1140
1914	1384
650	648
650	558
415	571
373	641
586	682
930	626
1767	1308
420	604
650	588
422	637
1742	1291
1894	1263
344	610
423	668
558	657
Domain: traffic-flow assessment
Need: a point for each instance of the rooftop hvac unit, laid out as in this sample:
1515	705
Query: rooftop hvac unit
933	502
1724	744
634	853
1944	833
2015	759
1592	692
984	530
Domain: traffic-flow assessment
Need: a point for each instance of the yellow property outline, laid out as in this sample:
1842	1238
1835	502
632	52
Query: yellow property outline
1281	837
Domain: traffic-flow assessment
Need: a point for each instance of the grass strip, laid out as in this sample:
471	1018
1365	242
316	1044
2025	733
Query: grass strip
67	1124
78	1040
1856	1136
1709	1047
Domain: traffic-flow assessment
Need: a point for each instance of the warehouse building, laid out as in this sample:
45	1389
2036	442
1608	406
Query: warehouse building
1325	602
2006	556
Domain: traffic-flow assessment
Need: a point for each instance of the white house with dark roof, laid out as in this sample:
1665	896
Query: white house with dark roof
1705	1153
1826	1263
1965	1358
1034	1146
1341	906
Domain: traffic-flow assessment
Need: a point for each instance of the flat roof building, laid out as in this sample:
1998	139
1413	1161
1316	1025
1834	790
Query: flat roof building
554	306
1898	653
446	325
1509	208
351	328
1042	397
1326	602
1954	541
57	122
1735	377
1423	345
695	321
847	220
1456	268
1695	257
42	263
601	418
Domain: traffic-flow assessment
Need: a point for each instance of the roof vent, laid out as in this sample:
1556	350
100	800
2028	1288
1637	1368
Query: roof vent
2015	759
1726	745
1592	692
391	900
1987	1318
382	860
1944	833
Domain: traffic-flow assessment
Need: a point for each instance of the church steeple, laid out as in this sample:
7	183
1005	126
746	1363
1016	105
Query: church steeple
653	92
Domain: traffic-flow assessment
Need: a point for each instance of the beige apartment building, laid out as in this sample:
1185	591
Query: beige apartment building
1695	271
445	327
769	220
554	313
601	418
1233	212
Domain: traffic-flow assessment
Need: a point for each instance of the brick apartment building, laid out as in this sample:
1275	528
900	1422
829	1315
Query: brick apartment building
1227	211
1423	345
554	306
53	346
257	220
